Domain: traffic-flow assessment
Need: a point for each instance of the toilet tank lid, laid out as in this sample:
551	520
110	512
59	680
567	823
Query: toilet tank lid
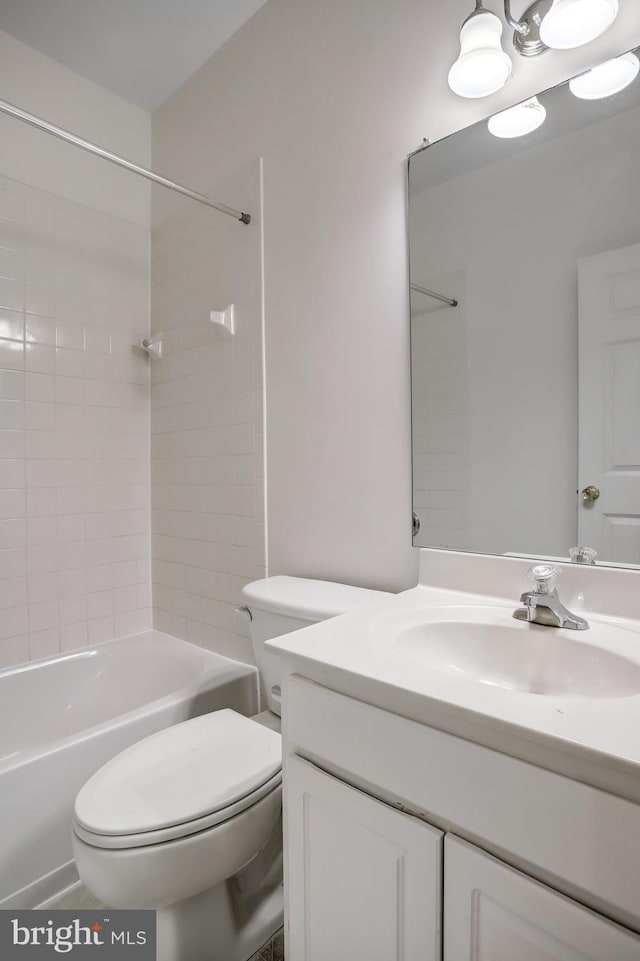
307	599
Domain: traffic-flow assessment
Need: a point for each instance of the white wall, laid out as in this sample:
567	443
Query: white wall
74	270
45	88
334	95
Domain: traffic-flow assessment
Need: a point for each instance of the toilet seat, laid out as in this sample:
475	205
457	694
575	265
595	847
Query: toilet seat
176	831
179	781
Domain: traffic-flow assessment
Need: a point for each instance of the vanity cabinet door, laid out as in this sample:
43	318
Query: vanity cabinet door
494	913
364	880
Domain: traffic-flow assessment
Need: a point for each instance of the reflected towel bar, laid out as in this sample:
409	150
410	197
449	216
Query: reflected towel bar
432	293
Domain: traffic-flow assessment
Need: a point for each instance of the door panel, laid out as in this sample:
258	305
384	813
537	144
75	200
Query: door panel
609	408
364	880
494	913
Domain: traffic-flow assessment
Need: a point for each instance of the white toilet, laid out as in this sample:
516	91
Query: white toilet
188	821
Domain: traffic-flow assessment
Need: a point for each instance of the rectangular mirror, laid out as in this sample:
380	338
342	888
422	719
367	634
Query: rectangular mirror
526	376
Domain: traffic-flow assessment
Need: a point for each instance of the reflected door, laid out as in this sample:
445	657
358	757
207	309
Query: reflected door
609	407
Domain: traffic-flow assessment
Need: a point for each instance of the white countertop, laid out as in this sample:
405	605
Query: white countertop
592	739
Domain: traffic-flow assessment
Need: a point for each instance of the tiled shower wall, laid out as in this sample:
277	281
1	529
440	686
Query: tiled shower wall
207	469
74	487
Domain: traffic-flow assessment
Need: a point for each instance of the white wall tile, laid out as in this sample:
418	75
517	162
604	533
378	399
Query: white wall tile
129	622
12	414
40	444
12	384
71	527
69	363
11	323
39	416
12	295
42	587
42	530
74	492
12	206
70	336
99	604
40	358
12	355
74	636
97	341
14	650
101	629
72	583
42	558
13	592
13	563
39	329
14	621
44	643
12	443
40	388
11	264
206	467
13	503
12	474
69	390
43	615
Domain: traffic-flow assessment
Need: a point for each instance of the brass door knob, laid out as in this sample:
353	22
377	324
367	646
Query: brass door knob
591	493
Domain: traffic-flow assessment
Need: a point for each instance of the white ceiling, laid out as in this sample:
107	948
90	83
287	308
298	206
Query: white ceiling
142	50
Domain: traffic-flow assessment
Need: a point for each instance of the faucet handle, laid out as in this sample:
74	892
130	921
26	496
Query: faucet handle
543	578
582	555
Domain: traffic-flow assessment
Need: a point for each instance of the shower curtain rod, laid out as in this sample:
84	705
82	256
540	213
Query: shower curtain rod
432	293
113	158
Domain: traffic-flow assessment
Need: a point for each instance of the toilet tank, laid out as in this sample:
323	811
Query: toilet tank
282	604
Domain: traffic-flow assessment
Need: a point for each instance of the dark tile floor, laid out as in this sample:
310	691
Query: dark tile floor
273	950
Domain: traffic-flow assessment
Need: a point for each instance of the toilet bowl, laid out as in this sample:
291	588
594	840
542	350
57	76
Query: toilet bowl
176	816
188	821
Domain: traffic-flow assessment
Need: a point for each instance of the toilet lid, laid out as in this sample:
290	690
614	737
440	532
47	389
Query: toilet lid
180	774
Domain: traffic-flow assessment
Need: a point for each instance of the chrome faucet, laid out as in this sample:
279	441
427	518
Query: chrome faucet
542	604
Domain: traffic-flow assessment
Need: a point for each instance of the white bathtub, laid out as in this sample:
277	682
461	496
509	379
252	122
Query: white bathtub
61	718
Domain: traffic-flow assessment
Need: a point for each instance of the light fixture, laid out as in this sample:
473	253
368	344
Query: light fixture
517	121
526	36
482	67
606	79
572	23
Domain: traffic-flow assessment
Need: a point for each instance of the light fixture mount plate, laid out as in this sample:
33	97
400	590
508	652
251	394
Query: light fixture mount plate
530	44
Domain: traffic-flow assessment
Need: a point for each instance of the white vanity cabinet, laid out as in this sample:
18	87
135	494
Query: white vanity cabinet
364	881
403	843
494	913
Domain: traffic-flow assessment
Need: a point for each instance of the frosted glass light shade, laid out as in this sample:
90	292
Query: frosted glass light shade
517	121
482	67
572	23
606	79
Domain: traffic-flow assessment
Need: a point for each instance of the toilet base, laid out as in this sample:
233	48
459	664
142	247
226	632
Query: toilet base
228	920
212	926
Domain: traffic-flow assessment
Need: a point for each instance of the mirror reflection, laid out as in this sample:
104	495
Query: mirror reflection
526	365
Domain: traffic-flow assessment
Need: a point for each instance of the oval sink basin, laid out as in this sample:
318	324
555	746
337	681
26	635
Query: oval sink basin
487	646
